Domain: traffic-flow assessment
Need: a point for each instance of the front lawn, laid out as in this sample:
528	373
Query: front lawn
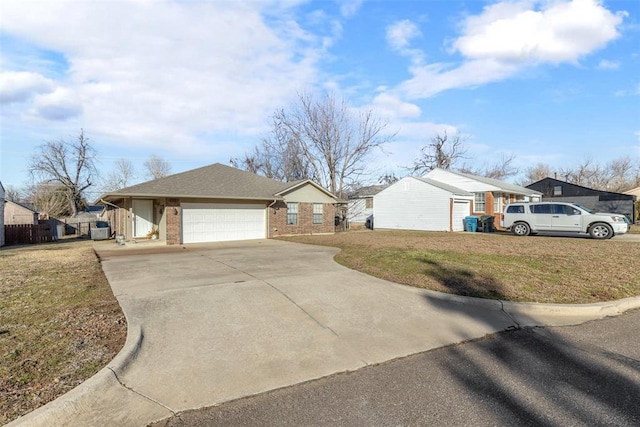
493	265
59	323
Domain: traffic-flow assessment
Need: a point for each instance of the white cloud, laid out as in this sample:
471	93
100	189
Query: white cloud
435	78
167	73
350	7
400	34
608	65
59	105
508	37
387	105
557	32
21	86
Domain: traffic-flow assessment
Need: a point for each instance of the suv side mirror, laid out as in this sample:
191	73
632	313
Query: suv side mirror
575	212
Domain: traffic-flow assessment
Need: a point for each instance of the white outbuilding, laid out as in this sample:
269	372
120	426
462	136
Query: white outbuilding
414	203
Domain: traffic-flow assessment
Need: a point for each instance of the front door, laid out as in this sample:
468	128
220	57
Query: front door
142	217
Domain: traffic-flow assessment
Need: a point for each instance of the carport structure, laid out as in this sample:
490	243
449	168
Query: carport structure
218	203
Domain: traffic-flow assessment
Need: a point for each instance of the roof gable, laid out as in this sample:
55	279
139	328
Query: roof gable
432	182
213	181
545	185
475	183
26	206
444	186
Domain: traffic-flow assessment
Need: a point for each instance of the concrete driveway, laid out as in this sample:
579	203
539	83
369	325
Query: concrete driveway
212	323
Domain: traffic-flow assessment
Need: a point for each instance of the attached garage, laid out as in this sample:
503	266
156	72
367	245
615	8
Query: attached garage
217	222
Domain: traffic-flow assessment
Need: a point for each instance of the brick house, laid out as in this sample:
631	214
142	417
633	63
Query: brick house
490	196
219	203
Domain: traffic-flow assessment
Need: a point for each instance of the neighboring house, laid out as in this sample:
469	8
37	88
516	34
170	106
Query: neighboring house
95	210
633	192
601	201
2	194
17	213
490	196
219	203
414	203
360	204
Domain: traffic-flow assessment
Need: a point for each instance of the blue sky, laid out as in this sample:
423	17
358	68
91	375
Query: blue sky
195	82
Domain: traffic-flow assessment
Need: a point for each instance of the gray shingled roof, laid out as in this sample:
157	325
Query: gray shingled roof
367	191
504	186
214	181
450	188
512	188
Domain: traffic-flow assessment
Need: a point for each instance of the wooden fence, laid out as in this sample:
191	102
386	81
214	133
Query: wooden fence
28	233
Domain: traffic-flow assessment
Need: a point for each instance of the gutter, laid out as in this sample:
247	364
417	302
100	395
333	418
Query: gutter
107	203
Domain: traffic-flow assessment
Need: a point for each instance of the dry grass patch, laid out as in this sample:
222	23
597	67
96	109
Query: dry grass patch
496	265
59	323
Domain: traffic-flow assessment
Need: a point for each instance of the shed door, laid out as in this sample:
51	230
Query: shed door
460	210
217	222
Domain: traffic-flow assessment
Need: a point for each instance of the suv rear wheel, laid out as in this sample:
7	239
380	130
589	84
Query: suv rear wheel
600	230
520	229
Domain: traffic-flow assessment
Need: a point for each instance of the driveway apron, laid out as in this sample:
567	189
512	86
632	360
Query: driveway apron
223	321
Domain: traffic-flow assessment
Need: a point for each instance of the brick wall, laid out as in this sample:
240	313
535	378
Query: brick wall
278	220
173	213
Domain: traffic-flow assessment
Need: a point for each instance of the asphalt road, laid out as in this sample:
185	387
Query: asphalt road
586	375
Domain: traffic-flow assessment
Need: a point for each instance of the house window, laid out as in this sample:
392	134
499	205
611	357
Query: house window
292	213
557	190
497	202
479	202
369	203
317	213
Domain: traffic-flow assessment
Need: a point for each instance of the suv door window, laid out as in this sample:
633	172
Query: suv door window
563	219
541	209
541	218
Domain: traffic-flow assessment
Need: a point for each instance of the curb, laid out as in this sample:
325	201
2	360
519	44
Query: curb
67	406
542	314
534	314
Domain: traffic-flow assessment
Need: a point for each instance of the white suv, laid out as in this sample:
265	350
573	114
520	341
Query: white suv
526	218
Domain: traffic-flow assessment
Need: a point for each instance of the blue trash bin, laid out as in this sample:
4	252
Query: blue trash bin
471	224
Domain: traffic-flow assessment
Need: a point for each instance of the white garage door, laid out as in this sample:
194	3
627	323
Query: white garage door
460	210
214	222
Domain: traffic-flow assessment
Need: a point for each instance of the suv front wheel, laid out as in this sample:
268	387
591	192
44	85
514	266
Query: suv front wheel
520	229
601	230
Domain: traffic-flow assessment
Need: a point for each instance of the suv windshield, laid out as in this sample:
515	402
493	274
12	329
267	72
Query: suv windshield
591	211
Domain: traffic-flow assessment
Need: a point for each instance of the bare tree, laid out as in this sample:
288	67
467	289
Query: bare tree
13	194
49	199
279	156
157	167
536	173
582	174
319	139
388	178
623	174
501	169
67	164
121	175
442	152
